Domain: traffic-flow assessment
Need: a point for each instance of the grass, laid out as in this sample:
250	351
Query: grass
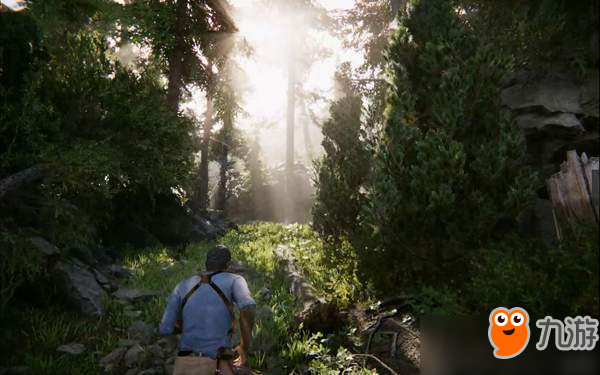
278	341
38	332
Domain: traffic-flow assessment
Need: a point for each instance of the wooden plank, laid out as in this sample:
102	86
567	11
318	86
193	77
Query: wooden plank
570	189
593	164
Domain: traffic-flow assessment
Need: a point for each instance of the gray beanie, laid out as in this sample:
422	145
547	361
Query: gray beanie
218	258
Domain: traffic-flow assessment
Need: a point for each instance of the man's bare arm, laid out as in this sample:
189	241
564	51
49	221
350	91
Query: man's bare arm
246	325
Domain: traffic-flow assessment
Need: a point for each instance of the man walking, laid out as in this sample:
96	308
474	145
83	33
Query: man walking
201	308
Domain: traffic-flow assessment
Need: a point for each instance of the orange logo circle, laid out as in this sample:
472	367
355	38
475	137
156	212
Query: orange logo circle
509	331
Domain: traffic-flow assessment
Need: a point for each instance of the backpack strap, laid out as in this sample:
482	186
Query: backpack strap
207	279
226	301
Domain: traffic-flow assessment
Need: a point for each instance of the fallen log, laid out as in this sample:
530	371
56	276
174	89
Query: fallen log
315	313
24	177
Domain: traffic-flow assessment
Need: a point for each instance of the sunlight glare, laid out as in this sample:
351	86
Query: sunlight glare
269	31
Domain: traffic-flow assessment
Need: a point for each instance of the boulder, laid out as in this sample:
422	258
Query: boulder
589	95
84	254
168	344
119	271
205	228
73	348
264	294
104	280
44	247
134	356
169	365
217	217
126	343
155	351
112	361
536	121
558	113
546	147
141	331
100	277
79	286
133	295
552	93
133	314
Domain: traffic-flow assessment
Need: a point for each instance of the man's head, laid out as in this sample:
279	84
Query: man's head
218	258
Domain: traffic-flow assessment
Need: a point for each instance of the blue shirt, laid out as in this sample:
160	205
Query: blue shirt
206	319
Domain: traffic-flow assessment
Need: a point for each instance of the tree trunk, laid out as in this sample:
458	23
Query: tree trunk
222	197
306	132
289	150
256	181
315	312
21	178
202	197
223	11
176	58
224	163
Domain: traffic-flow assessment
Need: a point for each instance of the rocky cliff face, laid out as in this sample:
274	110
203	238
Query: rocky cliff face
558	113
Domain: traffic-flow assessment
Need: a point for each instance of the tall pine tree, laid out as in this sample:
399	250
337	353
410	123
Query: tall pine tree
450	161
343	169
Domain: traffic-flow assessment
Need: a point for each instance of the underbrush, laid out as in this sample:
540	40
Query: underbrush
256	245
32	335
335	279
559	281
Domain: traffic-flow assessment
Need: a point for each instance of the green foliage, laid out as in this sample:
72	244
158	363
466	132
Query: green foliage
306	350
449	180
253	200
433	301
449	162
342	171
38	332
518	272
157	25
256	245
368	25
337	279
79	115
98	129
20	263
542	35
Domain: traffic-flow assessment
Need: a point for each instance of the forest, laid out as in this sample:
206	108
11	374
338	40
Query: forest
367	162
